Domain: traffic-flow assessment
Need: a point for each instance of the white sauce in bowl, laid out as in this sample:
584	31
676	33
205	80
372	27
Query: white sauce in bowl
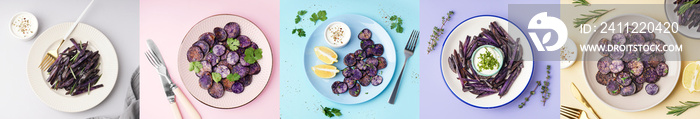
337	34
24	25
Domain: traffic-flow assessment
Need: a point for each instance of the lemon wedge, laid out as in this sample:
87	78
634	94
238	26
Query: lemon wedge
326	55
325	70
690	77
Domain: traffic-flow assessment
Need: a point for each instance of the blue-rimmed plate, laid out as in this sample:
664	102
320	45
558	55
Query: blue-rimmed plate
472	27
356	24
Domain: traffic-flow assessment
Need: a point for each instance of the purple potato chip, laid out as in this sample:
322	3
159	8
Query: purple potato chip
365	80
624	79
376	80
240	70
237	87
216	91
652	89
662	69
227	84
232	29
636	67
604	65
222	70
378	50
349	59
628	90
351	82
381	63
205	81
366	43
360	55
244	41
365	34
604	42
616	66
212	59
355	90
339	87
232	58
218	50
203	45
194	54
208	37
254	68
220	34
613	88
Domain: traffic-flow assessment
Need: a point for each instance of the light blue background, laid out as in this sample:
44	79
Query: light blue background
298	98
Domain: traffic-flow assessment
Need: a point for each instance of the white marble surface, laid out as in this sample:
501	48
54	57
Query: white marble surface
117	19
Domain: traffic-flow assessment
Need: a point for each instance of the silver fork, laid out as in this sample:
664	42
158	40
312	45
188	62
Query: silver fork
408	51
572	113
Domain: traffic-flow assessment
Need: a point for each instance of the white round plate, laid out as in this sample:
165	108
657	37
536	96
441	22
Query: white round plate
568	54
49	40
673	17
640	101
356	24
230	99
472	27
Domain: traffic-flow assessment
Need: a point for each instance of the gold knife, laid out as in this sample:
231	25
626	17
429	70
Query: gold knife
577	94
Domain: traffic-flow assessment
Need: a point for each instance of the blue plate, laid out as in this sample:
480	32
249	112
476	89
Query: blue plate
356	24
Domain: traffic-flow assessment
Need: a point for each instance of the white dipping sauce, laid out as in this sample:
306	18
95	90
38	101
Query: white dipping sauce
495	52
337	34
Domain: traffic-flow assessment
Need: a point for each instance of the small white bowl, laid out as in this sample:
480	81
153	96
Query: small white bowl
33	26
344	39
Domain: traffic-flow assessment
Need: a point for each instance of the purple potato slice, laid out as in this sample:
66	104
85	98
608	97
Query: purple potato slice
364	44
203	45
640	79
372	61
365	80
355	90
351	82
205	81
212	59
356	74
604	65
604	42
194	54
244	40
613	88
206	66
220	34
241	58
254	68
660	44
339	87
624	79
232	58
218	50
381	63
369	51
222	69
237	87
216	90
616	66
227	84
365	34
650	76
618	39
652	89
208	37
656	59
602	78
648	51
662	69
636	39
362	65
349	59
636	67
232	30
240	70
630	56
648	35
378	50
246	80
372	71
616	55
254	45
360	55
347	72
376	80
628	90
639	86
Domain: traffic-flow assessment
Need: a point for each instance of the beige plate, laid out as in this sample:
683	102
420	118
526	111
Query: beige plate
49	40
640	101
230	99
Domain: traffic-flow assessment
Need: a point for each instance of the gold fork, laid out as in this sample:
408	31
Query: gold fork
51	56
572	113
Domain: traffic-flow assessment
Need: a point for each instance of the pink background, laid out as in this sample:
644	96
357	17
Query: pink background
167	22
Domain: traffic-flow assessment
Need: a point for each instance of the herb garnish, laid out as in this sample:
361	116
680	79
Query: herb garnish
687	6
195	66
596	14
487	62
233	44
300	32
299	14
321	15
545	87
528	97
396	23
252	55
216	77
678	110
581	3
331	112
233	77
437	32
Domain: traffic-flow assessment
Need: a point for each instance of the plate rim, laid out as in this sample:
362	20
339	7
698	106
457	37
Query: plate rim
445	80
583	67
668	18
271	56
